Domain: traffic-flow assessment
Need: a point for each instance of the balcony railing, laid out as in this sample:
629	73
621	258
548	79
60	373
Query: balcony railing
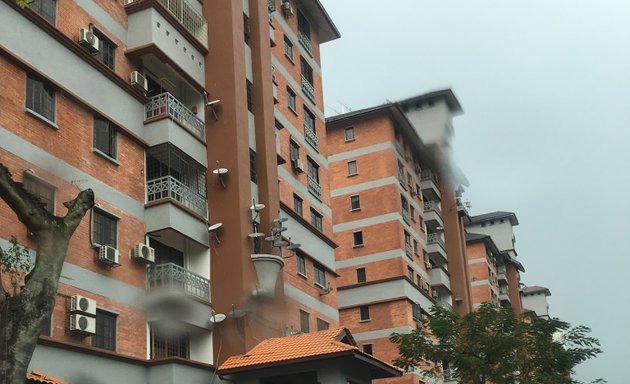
314	187
168	187
308	88
432	206
305	41
166	104
428	175
175	277
188	16
434	238
311	137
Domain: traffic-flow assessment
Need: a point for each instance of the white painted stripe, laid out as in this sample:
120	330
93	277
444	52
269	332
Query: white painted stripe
294	39
381	256
478	283
303	190
297	87
35	155
374	220
361	151
381	333
309	301
477	261
356	188
299	137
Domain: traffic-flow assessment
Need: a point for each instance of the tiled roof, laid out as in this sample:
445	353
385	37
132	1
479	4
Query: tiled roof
292	347
41	377
494	216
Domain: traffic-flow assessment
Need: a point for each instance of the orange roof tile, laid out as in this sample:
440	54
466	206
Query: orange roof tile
41	377
292	347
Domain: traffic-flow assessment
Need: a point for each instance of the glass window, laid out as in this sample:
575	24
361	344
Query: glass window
45	8
319	274
361	276
41	189
307	71
106	50
355	203
352	168
349	134
288	48
104	228
301	265
40	97
252	165
105	336
247	32
304	322
316	219
367	348
322	325
364	311
294	152
250	96
410	273
169	344
312	170
105	137
291	98
358	238
298	204
46	327
309	120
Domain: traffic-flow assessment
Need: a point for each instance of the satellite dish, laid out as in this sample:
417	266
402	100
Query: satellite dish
280	220
217	318
237	313
214	227
270	238
280	243
257	207
294	246
278	229
256	235
220	171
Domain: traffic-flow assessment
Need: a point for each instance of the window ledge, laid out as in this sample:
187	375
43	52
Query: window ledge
355	209
353	174
302	275
320	286
293	110
358	246
106	156
290	59
48	122
365	321
349	141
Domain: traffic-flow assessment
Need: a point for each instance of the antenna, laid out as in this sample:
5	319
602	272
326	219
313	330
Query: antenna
220	172
214	229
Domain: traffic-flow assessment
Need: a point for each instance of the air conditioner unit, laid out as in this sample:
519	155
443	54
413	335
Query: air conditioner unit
139	81
88	40
83	305
83	324
108	255
143	252
287	8
298	166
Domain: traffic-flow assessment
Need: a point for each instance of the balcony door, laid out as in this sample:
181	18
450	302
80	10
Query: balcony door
165	254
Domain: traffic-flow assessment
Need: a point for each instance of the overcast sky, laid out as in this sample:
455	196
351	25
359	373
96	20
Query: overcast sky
545	87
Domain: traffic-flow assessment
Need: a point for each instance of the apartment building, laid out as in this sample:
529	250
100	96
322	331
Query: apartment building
535	299
493	263
179	115
398	219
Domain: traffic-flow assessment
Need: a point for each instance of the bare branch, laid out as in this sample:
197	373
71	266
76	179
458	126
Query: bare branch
27	208
77	208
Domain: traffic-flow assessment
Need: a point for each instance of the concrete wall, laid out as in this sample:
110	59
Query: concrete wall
501	233
536	302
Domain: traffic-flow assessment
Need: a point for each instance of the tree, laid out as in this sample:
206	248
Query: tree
495	345
23	311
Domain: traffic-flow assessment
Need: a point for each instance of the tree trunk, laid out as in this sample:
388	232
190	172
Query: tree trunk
23	315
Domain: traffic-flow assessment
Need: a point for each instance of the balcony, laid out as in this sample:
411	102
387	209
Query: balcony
433	215
305	40
446	305
501	276
168	187
311	137
436	249
173	277
308	88
314	188
440	279
166	105
429	182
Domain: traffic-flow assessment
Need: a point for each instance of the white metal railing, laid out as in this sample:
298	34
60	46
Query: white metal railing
305	41
168	187
432	206
166	104
188	16
308	88
311	137
173	276
314	187
434	238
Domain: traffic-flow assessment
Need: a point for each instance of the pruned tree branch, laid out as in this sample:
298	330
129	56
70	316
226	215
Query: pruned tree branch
28	209
77	208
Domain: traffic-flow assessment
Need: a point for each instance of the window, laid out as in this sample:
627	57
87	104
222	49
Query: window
250	96
419	280
45	8
291	100
416	311
322	325
247	31
401	173
312	172
307	79
294	153
409	182
105	137
41	189
415	247
355	203
418	192
309	120
364	312
405	208
169	344
105	336
407	244
367	348
412	213
352	168
46	327
298	204
320	275
40	97
410	273
288	48
104	228
304	32
301	265
357	238
252	165
316	219
361	277
349	134
304	322
106	50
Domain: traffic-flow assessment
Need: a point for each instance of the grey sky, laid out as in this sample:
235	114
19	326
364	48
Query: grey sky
545	86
